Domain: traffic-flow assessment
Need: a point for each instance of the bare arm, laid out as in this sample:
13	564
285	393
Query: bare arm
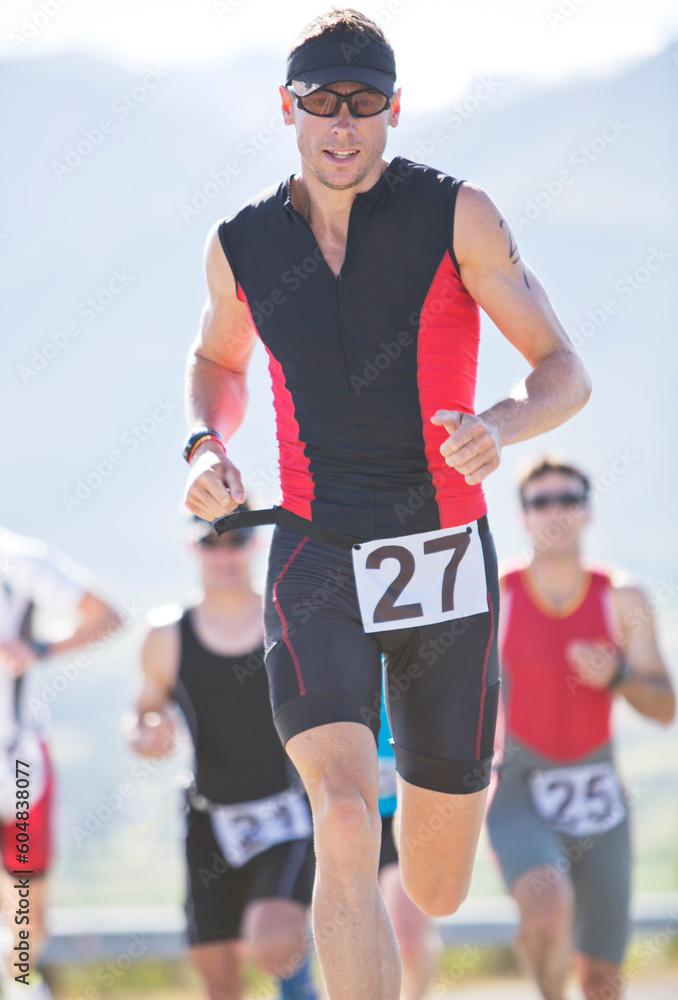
513	297
152	732
216	388
96	618
648	687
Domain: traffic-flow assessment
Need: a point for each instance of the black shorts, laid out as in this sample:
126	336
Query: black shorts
443	679
218	894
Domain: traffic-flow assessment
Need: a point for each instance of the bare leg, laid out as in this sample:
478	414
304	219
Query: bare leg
418	941
599	978
437	845
220	964
353	934
545	936
274	931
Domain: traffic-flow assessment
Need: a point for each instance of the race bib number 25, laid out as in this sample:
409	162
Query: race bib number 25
422	579
582	800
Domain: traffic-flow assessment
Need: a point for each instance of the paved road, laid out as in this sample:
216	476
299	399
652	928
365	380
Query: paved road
652	988
649	989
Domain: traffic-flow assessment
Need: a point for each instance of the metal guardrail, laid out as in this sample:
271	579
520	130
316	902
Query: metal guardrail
493	920
126	933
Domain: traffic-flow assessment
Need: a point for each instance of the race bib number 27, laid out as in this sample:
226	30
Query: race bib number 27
422	579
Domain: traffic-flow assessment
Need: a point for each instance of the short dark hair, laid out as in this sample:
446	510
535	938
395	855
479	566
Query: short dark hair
340	19
551	462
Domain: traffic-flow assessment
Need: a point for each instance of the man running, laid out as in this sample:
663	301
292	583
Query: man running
363	280
33	576
248	843
572	637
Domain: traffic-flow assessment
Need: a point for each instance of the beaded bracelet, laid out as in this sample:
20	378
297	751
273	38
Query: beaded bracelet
201	440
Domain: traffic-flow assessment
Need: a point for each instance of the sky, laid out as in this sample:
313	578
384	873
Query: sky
441	45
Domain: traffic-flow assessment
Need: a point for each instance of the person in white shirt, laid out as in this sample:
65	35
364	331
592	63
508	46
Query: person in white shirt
33	576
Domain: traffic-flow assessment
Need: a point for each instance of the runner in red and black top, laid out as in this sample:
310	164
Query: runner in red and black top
363	280
380	354
572	636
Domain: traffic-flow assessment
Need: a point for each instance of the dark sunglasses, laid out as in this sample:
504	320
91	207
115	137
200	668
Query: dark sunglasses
544	500
235	539
326	103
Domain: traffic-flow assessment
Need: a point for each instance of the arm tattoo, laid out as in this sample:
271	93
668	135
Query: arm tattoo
514	252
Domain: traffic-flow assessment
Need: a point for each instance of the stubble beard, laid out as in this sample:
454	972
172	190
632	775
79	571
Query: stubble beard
354	181
360	176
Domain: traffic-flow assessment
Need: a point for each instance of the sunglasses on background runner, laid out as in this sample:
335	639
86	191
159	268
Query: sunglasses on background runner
544	500
235	539
326	103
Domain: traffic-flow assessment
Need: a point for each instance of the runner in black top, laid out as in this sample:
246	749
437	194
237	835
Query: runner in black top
363	280
226	705
248	846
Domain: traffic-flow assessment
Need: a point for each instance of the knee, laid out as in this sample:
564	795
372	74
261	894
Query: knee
278	955
442	903
438	898
549	922
547	913
348	830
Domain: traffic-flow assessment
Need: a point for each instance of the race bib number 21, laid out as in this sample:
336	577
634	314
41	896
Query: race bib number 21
422	579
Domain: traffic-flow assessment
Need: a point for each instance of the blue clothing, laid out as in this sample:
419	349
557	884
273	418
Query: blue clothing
387	770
